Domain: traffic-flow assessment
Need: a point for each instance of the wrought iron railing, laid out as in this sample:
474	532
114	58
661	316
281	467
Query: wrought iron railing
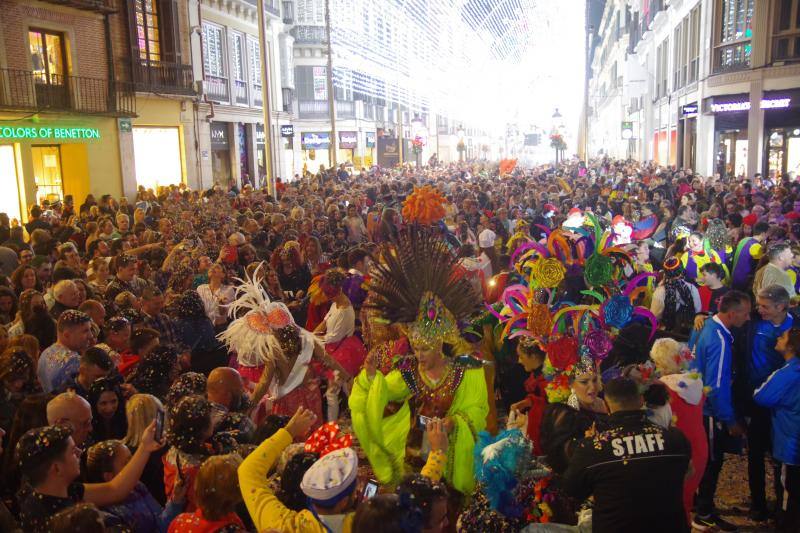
313	109
99	6
217	89
240	92
345	109
24	89
162	77
308	34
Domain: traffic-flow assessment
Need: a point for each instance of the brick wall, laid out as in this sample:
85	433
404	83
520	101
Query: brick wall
88	50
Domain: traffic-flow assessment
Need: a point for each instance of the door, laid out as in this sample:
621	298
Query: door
49	71
47	173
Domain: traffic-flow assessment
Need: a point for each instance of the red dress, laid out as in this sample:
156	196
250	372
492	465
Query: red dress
686	401
534	386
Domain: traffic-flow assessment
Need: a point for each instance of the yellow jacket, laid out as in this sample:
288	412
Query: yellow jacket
266	509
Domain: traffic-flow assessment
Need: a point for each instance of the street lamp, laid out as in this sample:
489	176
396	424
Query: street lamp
461	146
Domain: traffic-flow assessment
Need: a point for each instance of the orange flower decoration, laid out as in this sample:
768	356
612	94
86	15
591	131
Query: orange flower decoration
540	323
424	206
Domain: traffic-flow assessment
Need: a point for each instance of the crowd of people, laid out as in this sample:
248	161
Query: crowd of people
467	347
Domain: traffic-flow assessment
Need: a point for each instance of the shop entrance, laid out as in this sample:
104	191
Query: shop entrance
9	200
732	153
48	173
784	152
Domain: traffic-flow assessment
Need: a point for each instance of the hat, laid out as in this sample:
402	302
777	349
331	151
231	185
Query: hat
750	220
549	208
486	238
574	211
331	478
793	215
619	219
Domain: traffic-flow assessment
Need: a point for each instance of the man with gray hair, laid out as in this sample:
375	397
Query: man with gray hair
772	304
774	272
66	296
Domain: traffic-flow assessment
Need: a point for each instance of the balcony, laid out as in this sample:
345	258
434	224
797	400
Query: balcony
308	34
217	89
240	92
345	109
162	77
258	99
25	90
313	109
98	6
732	57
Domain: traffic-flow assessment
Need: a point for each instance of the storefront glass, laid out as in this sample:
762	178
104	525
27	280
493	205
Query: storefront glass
9	200
220	154
157	154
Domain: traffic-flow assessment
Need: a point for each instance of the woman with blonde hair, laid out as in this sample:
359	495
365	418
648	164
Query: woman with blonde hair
686	401
140	410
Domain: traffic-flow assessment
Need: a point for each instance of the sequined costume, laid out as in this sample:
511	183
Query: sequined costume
415	285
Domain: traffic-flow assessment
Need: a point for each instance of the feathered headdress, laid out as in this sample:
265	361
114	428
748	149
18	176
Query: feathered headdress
415	284
424	206
257	318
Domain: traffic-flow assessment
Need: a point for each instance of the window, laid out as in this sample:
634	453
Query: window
147	40
694	46
254	55
734	35
310	13
662	75
237	56
677	57
786	31
47	56
213	51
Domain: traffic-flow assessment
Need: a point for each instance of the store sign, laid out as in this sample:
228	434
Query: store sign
348	140
315	140
219	135
689	110
48	132
287	130
370	139
767	103
320	80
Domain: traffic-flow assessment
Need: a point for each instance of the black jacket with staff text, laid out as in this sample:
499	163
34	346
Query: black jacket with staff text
635	471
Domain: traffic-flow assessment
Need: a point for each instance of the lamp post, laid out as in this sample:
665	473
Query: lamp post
461	146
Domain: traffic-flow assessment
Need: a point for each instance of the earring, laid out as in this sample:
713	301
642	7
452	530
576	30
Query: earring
572	401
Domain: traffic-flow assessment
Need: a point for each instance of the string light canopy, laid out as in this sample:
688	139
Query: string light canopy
454	56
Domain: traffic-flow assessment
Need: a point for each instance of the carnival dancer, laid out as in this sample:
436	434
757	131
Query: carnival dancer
748	252
697	254
265	337
336	332
414	285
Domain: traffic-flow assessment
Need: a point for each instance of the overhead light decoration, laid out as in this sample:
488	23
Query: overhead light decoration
466	59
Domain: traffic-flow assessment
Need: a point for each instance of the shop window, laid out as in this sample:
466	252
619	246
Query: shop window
147	28
157	155
733	45
786	31
47	173
9	200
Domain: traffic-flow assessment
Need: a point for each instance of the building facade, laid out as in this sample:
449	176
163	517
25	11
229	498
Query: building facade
713	85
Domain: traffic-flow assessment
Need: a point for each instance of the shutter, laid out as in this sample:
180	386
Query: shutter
169	16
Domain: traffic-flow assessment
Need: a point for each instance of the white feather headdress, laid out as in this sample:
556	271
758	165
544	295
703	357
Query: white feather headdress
250	335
